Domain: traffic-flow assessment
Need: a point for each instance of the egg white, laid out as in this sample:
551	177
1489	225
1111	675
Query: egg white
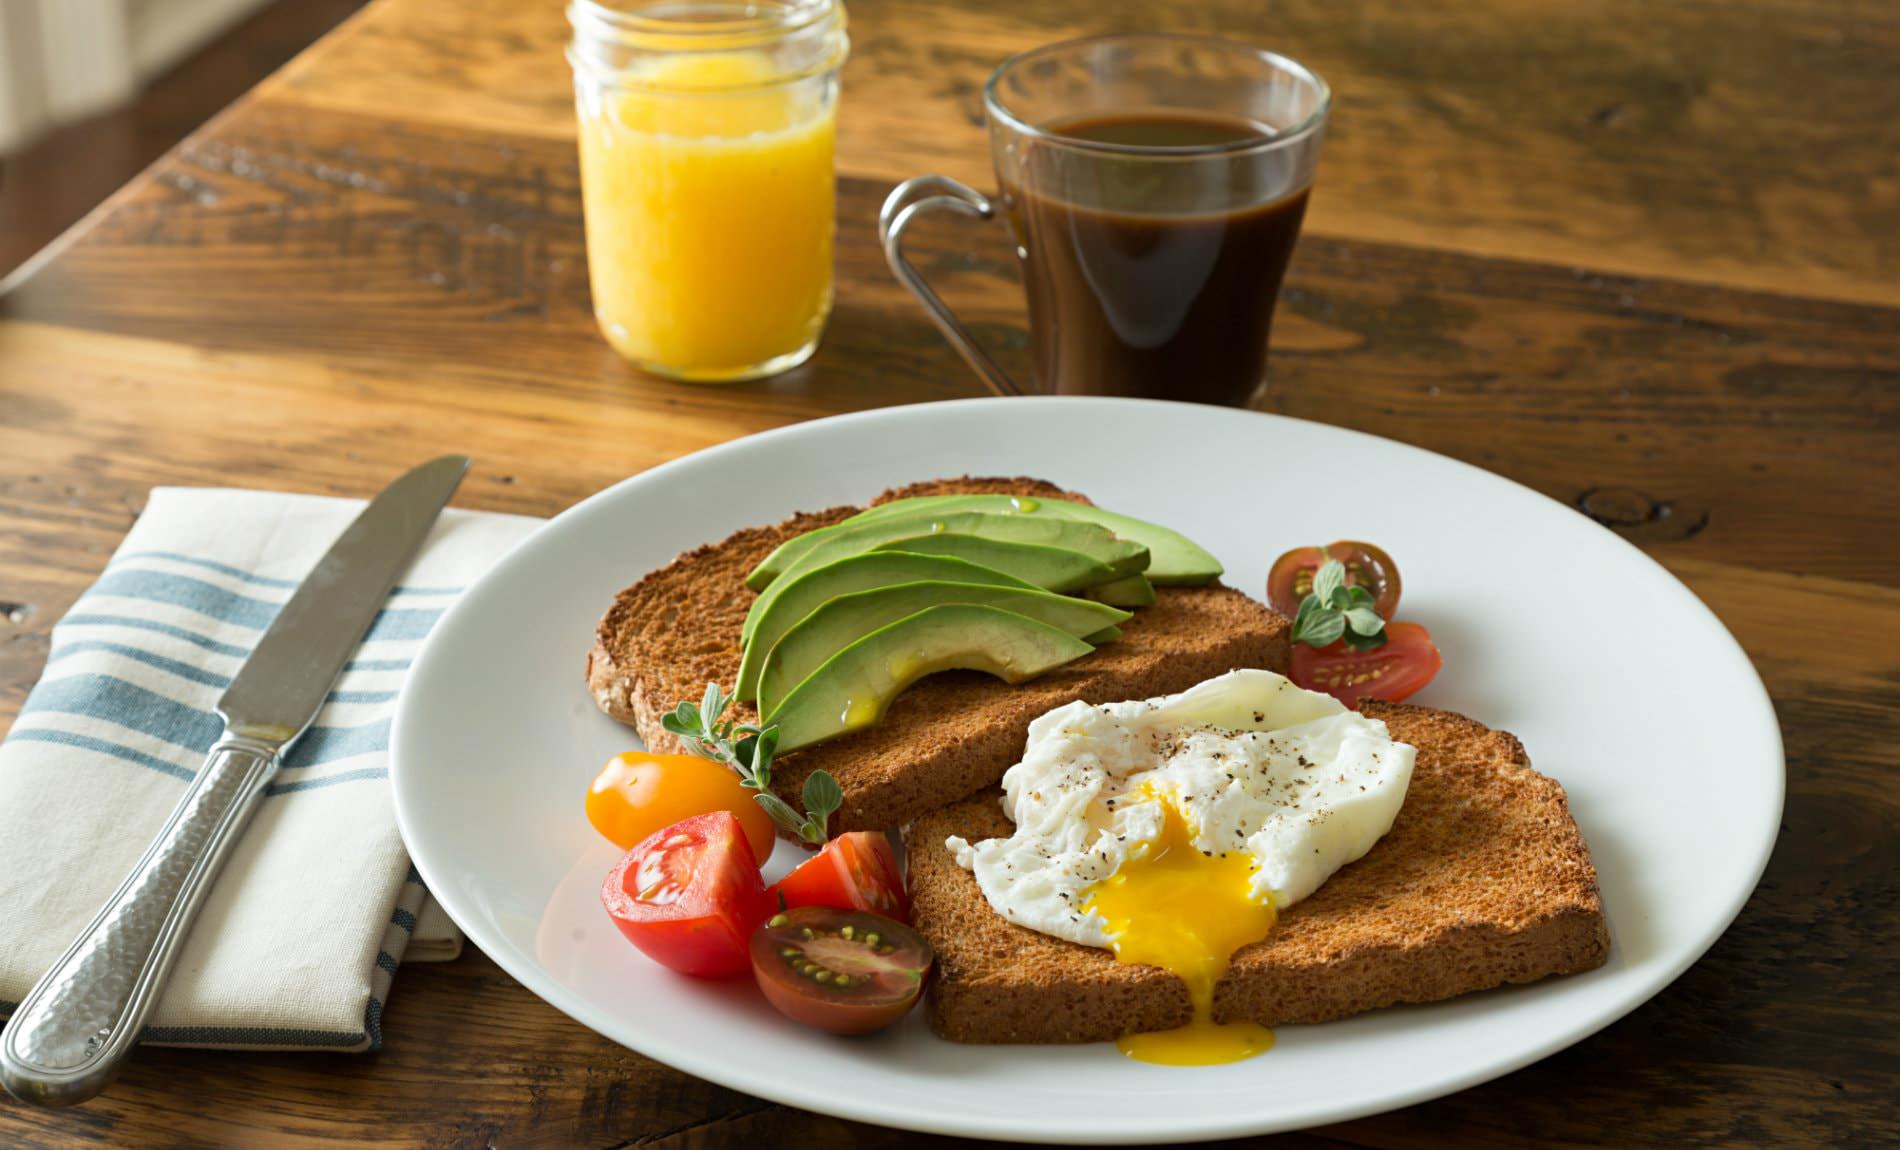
1292	777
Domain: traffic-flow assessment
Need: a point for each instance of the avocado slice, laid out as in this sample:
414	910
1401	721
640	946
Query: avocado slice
1174	557
852	688
1134	591
1046	568
1111	558
860	534
805	593
1050	568
847	618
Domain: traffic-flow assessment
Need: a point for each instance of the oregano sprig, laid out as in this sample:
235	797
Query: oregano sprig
747	748
1335	611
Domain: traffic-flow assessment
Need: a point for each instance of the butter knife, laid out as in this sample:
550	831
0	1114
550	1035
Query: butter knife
68	1037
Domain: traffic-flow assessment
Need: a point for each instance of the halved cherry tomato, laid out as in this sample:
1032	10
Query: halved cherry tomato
1406	662
638	793
1367	565
690	896
848	972
855	871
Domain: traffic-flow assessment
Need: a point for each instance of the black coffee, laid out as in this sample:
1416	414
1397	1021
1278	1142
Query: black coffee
1170	294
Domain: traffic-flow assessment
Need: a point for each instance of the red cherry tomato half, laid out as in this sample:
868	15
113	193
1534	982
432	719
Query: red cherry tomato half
856	871
690	896
849	972
1367	565
1406	662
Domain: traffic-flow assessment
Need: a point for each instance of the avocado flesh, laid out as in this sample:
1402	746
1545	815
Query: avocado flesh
1134	591
1174	558
805	593
1054	568
847	618
1094	544
859	534
850	690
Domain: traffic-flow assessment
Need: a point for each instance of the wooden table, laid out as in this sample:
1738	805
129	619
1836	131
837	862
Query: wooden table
1642	257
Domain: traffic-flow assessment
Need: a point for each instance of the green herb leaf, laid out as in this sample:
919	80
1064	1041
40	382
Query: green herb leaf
1325	629
1334	610
822	795
748	750
1309	607
763	749
1327	581
781	812
1360	642
743	752
1364	621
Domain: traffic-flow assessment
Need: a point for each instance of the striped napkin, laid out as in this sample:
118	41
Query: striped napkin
318	904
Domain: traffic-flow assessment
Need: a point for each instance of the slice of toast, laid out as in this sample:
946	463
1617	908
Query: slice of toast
1483	880
949	735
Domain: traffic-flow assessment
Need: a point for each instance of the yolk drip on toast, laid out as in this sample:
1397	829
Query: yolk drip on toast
1186	912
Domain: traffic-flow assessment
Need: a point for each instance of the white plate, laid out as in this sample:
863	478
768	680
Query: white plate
1549	625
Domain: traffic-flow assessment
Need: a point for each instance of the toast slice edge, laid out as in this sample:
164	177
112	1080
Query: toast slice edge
670	633
1484	880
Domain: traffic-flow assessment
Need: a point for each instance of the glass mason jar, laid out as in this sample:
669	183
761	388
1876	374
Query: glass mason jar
706	139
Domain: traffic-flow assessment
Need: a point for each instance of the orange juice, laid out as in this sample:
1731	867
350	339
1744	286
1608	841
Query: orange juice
709	199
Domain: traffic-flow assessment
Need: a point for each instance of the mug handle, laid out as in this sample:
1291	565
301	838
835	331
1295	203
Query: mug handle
908	200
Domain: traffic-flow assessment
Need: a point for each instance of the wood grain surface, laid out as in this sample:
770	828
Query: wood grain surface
1644	258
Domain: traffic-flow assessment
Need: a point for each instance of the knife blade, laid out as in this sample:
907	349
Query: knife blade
74	1028
282	685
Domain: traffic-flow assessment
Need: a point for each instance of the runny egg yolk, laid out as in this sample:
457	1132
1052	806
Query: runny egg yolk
1186	912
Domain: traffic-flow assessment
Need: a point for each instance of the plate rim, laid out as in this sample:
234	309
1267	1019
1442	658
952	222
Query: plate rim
784	1091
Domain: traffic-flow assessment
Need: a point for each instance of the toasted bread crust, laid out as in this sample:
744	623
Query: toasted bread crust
950	735
1483	880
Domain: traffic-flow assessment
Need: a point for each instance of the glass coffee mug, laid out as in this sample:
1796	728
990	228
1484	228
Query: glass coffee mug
1155	187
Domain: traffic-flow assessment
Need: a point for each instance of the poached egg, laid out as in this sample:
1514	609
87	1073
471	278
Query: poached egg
1171	831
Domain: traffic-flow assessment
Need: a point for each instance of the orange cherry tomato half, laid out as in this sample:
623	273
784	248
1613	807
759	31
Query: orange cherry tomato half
849	972
1407	662
1367	565
638	793
855	871
690	897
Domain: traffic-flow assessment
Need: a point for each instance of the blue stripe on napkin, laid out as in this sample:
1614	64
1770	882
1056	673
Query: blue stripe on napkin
251	578
180	714
134	623
139	655
129	705
228	606
77	619
209	678
104	747
186	774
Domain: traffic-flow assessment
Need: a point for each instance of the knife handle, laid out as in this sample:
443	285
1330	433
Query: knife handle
68	1036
